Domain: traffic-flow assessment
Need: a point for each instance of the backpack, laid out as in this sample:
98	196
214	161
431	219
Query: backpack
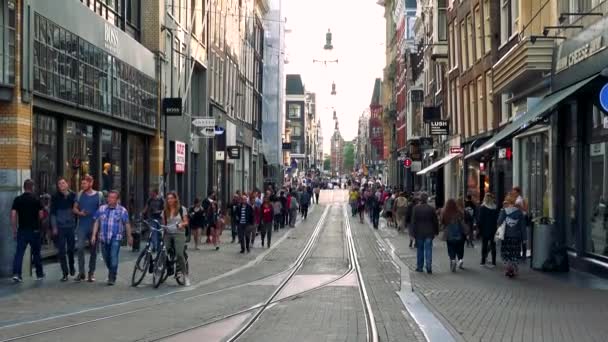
454	231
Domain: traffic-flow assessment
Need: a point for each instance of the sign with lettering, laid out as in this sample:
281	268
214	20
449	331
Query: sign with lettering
111	38
234	152
591	48
287	146
456	150
172	106
440	127
180	157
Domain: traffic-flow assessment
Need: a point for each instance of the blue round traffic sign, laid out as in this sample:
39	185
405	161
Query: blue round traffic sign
604	97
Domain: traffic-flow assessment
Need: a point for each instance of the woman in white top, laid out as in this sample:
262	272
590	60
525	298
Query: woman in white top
175	217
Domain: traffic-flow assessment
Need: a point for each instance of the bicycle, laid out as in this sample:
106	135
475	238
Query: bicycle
165	264
145	260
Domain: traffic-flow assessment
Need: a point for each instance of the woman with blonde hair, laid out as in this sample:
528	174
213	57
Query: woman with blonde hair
175	217
488	216
514	233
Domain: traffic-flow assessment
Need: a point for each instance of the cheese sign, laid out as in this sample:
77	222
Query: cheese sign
180	157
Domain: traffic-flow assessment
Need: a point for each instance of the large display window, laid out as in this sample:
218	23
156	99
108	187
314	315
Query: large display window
596	236
44	163
78	160
110	160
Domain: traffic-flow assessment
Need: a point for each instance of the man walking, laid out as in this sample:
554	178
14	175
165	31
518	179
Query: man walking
111	220
317	191
245	219
63	222
305	202
87	203
26	213
425	227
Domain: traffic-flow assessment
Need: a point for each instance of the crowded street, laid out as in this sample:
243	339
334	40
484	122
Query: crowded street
330	278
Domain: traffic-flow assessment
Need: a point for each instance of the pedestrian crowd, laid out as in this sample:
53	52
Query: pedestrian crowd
98	222
459	223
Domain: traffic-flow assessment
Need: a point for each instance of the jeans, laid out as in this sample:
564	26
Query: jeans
455	249
25	237
278	218
235	228
84	235
485	244
424	252
178	241
154	235
376	217
266	231
293	215
65	249
109	251
243	236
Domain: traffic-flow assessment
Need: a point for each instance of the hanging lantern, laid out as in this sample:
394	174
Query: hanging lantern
333	88
328	45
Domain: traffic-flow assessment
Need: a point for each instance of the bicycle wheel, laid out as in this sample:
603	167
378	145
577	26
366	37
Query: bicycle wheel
160	268
141	267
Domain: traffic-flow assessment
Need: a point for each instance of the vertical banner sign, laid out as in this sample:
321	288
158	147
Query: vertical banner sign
180	157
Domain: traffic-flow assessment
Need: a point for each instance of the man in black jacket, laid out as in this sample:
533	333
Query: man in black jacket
63	222
245	219
425	226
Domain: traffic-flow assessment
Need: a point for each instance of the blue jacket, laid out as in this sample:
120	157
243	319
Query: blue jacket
61	210
515	223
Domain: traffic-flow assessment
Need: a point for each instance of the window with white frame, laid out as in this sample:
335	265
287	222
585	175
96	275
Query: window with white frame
481	113
451	45
487	31
478	34
465	111
471	39
294	111
489	100
463	46
509	19
472	108
438	77
442	20
458	92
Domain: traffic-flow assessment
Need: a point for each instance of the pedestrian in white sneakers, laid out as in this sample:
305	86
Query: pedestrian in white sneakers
454	230
488	216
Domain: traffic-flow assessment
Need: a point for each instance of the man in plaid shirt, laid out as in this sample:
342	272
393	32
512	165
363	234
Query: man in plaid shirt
113	219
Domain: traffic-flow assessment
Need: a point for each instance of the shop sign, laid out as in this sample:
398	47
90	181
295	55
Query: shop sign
604	100
180	157
440	127
591	48
505	153
234	152
456	150
287	146
172	106
111	39
203	122
220	155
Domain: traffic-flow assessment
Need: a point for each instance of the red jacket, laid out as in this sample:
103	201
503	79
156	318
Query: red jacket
267	213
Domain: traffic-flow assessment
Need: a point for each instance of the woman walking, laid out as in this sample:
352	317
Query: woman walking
389	206
408	220
361	207
452	221
488	216
196	214
267	218
400	211
215	226
514	234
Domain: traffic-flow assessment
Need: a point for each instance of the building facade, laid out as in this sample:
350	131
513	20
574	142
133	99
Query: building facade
337	153
296	120
376	133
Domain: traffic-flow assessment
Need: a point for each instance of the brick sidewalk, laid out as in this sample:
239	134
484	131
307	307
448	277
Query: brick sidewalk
481	304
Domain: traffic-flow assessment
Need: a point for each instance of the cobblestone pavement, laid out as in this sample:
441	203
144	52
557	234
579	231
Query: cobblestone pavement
480	304
144	312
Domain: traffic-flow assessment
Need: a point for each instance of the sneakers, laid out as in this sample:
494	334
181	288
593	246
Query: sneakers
111	282
187	281
491	265
80	277
64	278
39	277
91	278
453	265
460	264
17	279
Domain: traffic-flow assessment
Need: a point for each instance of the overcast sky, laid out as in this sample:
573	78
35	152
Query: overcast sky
358	40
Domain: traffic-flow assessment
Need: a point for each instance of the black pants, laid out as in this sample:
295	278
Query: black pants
285	218
304	208
65	249
266	232
317	198
485	244
278	221
376	217
455	249
244	238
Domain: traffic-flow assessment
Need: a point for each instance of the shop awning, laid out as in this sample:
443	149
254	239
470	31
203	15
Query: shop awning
531	117
438	164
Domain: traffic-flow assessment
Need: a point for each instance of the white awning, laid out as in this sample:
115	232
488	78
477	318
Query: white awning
439	163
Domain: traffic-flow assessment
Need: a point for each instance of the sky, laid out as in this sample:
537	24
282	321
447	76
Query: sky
358	29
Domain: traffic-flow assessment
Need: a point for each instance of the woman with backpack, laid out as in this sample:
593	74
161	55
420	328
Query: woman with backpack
486	222
514	229
455	231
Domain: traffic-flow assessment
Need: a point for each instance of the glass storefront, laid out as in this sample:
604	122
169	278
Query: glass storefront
78	160
110	160
44	163
570	191
535	178
135	169
597	186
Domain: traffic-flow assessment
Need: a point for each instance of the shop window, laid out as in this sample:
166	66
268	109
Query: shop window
110	160
294	111
79	159
135	170
570	186
7	41
44	163
597	198
535	174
